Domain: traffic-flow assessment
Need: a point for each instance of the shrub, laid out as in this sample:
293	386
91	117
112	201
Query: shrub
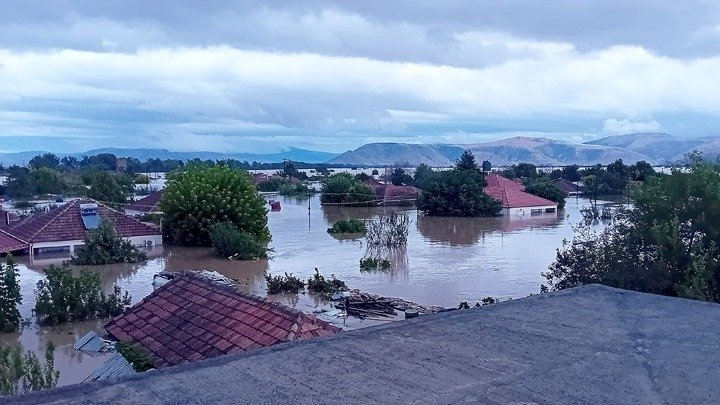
197	197
229	242
348	226
281	284
10	296
295	190
320	285
388	230
24	373
373	263
104	246
548	191
62	297
135	355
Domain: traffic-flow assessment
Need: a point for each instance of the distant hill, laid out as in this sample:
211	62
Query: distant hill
658	147
298	155
380	154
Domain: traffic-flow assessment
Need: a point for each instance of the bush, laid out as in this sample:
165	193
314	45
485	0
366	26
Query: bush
388	230
348	226
372	263
135	355
457	193
344	189
104	246
295	190
281	284
10	296
24	373
269	186
229	242
197	197
320	285
548	191
62	297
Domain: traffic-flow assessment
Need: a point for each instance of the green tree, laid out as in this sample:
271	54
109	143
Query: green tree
199	196
46	160
374	172
641	171
399	177
466	161
105	188
10	296
571	173
104	246
548	191
525	170
19	183
667	243
24	373
423	176
342	188
486	166
63	297
457	193
47	181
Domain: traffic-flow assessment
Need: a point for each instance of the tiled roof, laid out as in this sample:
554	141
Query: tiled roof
9	243
65	223
496	180
392	193
149	203
7	218
192	318
512	198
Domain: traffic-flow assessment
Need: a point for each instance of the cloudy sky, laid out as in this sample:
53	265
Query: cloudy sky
259	76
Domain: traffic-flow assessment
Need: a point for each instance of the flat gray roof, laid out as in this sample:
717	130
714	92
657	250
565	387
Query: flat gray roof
591	344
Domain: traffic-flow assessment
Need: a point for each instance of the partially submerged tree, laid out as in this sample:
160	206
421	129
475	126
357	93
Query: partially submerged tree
198	197
666	243
103	246
24	373
10	296
548	191
231	243
344	189
105	188
457	193
63	297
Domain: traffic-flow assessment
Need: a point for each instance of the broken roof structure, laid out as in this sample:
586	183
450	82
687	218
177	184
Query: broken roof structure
591	344
193	318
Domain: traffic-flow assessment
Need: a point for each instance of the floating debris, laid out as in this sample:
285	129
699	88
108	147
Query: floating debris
364	305
91	342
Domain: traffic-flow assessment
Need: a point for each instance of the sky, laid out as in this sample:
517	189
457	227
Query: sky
254	76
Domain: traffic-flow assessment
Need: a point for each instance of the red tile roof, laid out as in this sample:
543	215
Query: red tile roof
192	318
496	180
65	223
389	193
149	203
9	243
512	198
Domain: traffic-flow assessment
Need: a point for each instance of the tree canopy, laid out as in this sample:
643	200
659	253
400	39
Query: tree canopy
197	197
343	188
666	243
104	246
457	193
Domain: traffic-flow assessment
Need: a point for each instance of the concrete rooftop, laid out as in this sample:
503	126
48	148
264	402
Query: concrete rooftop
586	345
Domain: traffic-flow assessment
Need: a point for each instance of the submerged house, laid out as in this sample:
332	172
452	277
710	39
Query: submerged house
515	201
569	187
193	318
63	228
10	243
389	194
150	204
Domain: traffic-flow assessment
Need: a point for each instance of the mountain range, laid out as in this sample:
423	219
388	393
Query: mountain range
656	148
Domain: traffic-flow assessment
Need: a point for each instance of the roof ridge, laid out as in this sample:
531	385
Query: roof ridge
59	212
12	236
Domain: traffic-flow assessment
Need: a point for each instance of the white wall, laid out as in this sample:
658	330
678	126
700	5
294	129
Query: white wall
139	241
526	211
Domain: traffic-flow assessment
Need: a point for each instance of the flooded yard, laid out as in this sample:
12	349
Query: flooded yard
447	260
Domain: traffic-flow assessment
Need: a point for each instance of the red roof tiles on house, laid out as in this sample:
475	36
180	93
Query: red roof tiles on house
192	318
149	203
512	198
392	194
496	180
65	223
9	243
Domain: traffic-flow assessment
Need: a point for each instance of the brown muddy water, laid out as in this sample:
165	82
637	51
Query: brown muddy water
447	260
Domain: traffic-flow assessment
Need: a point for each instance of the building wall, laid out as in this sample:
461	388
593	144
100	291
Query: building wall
139	241
528	211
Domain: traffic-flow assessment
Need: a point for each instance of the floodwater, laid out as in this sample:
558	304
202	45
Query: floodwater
447	260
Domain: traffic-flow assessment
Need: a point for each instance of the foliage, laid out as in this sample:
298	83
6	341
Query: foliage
295	190
348	226
374	263
47	181
457	193
524	170
320	285
571	173
24	373
135	355
486	166
388	230
281	284
199	196
484	302
103	246
10	296
270	185
374	172
423	177
105	188
152	217
399	177
466	162
548	191
363	177
667	243
46	160
62	297
342	188
231	243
